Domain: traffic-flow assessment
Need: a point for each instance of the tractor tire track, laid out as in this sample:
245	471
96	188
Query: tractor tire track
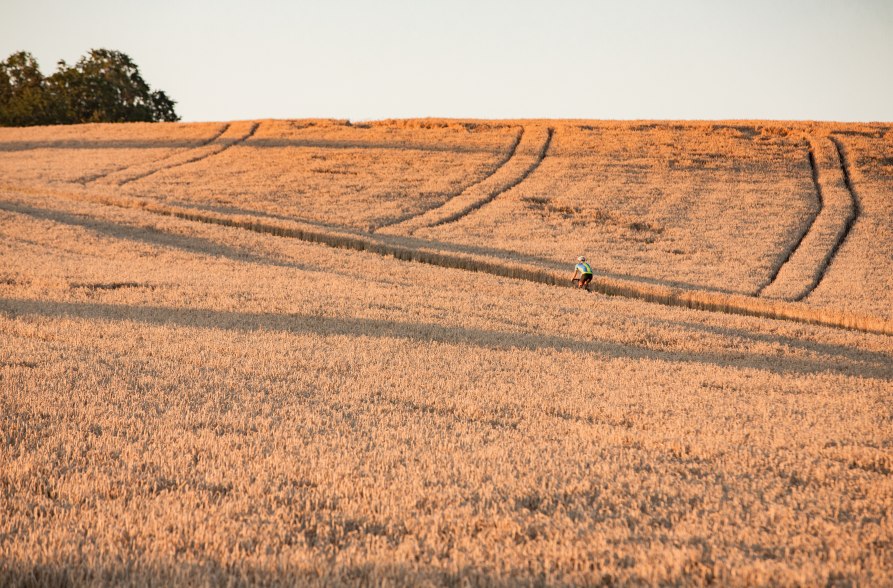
484	192
499	165
805	266
855	213
539	159
214	149
95	178
469	209
805	228
428	252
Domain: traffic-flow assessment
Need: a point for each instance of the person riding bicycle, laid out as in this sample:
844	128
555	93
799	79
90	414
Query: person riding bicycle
585	271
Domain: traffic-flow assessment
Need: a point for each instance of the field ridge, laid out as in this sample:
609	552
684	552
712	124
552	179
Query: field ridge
399	248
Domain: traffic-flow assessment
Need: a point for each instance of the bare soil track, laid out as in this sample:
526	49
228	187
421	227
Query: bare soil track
123	174
709	206
854	211
541	155
493	194
796	273
524	156
806	227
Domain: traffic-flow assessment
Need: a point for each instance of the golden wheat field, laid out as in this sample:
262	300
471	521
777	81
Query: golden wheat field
317	352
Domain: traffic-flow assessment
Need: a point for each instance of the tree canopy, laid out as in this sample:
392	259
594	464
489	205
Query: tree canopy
103	86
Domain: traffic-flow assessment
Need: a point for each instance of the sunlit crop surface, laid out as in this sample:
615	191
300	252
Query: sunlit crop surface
185	402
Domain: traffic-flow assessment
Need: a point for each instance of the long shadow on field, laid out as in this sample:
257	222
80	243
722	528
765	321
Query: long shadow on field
146	235
174	572
503	255
271	143
75	144
852	354
428	332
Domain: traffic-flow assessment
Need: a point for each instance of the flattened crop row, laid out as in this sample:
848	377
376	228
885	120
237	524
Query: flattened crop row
427	252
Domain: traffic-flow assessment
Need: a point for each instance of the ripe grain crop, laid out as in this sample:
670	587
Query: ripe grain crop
230	134
85	153
191	402
524	156
861	275
337	173
702	205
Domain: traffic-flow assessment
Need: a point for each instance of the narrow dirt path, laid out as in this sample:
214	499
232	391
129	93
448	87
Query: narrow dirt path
523	159
232	135
420	251
805	264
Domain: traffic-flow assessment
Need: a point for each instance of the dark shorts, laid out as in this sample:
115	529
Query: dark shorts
585	279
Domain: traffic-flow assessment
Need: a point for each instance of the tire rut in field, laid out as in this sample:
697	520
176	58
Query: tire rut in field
91	179
222	147
508	156
804	267
804	229
481	193
468	210
856	212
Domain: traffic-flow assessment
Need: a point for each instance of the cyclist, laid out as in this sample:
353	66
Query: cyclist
585	271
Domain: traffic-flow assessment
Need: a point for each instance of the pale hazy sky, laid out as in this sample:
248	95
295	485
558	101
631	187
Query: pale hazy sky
685	59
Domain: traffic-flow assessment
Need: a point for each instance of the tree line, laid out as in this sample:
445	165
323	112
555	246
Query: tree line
103	86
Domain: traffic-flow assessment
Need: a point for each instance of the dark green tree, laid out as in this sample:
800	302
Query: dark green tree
23	96
103	86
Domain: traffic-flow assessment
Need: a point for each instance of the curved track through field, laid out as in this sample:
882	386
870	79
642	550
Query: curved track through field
407	221
804	229
523	158
123	172
233	135
804	265
854	215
